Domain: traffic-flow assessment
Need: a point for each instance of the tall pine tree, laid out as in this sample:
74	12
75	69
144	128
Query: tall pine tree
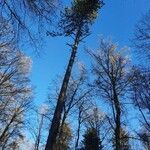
75	22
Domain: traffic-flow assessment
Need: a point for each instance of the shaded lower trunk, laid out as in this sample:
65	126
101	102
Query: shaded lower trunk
61	127
78	131
117	122
117	132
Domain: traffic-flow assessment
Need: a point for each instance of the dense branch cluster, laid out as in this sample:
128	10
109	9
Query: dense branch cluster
78	17
141	39
15	89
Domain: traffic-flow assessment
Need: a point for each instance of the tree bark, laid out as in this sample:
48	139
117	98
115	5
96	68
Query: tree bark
78	131
61	127
37	143
54	130
66	112
117	121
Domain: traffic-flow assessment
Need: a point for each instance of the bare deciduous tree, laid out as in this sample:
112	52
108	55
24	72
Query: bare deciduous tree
141	95
112	81
15	93
22	13
141	39
15	89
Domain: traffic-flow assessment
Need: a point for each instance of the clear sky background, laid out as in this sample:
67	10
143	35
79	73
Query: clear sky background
116	20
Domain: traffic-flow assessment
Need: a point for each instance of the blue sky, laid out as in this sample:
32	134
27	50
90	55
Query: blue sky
116	20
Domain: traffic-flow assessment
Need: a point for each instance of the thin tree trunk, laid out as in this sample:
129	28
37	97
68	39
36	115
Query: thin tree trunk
53	132
39	134
78	131
117	132
117	121
2	136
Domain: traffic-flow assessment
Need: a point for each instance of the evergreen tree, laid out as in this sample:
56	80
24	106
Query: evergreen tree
124	141
63	142
91	140
75	23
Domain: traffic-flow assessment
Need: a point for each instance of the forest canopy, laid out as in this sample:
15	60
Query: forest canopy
85	91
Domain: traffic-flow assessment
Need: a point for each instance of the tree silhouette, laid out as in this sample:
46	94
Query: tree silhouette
75	22
112	80
91	140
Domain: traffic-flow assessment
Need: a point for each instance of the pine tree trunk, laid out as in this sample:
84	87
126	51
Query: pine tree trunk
66	113
54	130
62	126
